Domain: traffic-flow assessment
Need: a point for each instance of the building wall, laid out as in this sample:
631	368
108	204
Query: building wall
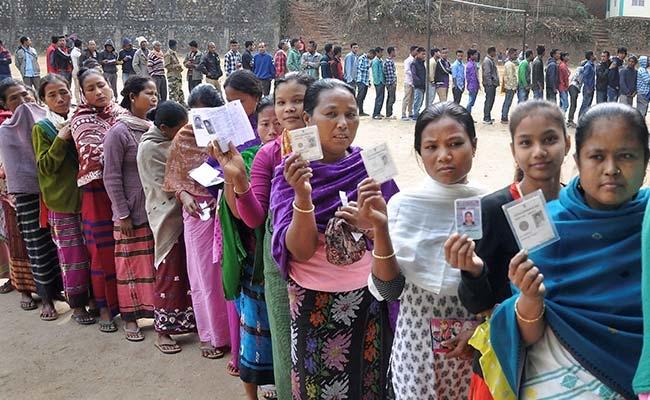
628	8
183	20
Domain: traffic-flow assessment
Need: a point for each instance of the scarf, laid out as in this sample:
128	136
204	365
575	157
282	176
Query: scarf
593	291
420	221
17	150
134	123
235	252
326	182
164	212
642	377
89	126
184	156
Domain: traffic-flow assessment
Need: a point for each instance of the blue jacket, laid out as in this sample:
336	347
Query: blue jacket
588	77
552	75
263	66
325	71
628	81
350	70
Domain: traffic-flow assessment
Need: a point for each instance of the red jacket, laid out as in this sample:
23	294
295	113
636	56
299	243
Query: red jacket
564	77
49	59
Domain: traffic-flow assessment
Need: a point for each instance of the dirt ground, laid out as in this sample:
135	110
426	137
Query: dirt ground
62	360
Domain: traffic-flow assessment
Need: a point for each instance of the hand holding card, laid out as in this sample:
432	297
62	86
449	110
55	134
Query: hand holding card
468	217
379	163
306	142
529	221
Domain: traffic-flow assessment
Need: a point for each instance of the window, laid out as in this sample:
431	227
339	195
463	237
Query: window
640	3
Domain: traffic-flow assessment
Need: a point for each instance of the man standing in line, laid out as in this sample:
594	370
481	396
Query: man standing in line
141	58
537	69
602	77
310	60
490	76
174	73
471	76
108	60
363	78
433	65
61	60
588	83
280	59
458	76
564	77
390	77
325	61
293	57
5	61
510	83
49	60
407	101
125	57
350	66
90	52
75	55
192	61
27	63
247	57
232	59
628	82
443	69
377	67
420	81
614	76
263	68
523	77
552	76
210	65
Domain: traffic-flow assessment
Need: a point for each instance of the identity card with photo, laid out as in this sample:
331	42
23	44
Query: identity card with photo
225	124
379	163
306	142
530	223
468	217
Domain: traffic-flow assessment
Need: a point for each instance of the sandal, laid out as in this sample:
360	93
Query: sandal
28	305
83	319
269	392
51	317
167	348
231	369
7	287
133	335
211	353
107	326
94	312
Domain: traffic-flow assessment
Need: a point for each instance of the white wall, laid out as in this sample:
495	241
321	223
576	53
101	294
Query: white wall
628	9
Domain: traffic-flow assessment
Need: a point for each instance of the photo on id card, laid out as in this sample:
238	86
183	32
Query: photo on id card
379	163
468	217
530	223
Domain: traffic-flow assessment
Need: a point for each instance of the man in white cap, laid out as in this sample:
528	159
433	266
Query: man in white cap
140	58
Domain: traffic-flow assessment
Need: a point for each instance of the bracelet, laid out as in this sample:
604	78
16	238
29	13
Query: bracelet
388	257
529	321
242	193
300	210
227	183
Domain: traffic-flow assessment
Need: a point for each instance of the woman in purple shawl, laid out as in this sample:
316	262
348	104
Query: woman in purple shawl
338	331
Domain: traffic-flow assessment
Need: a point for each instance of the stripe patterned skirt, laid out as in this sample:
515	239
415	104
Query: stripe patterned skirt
73	257
97	220
41	250
135	272
20	272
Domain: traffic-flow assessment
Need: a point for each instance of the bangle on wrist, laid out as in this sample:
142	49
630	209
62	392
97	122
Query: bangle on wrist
529	321
242	193
378	257
300	210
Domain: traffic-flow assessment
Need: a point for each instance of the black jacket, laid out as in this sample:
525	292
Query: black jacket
210	65
537	68
602	75
247	60
419	73
614	76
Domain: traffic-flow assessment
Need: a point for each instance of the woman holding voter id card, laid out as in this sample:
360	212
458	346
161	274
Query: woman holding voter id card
430	357
338	330
574	326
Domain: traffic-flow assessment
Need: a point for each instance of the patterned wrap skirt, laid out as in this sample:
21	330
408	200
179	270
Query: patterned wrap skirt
73	257
339	344
97	220
20	271
135	272
173	312
41	250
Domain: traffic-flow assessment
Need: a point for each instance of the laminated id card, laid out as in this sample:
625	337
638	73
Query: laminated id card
529	221
468	217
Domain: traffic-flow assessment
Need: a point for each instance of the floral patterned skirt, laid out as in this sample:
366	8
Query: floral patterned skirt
339	344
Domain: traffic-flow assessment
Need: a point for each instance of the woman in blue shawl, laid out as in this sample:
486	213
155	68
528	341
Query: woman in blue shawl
575	328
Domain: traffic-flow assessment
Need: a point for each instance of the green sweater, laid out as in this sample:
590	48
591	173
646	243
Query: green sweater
642	378
57	166
377	71
293	60
523	75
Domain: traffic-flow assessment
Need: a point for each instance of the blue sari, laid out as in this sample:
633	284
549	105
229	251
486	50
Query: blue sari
593	291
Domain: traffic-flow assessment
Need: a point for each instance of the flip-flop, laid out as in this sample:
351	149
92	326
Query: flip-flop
133	335
107	326
231	369
7	287
83	319
211	353
269	392
28	305
167	348
49	317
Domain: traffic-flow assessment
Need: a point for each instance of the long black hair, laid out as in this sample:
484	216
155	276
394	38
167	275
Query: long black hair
300	78
439	111
133	86
168	113
205	95
246	82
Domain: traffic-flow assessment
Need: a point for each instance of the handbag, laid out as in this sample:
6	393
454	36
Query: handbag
341	248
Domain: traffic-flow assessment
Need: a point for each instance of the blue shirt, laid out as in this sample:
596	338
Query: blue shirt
377	71
350	72
458	74
589	77
363	65
263	66
29	59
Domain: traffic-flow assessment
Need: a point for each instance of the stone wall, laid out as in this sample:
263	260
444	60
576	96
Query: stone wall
183	20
